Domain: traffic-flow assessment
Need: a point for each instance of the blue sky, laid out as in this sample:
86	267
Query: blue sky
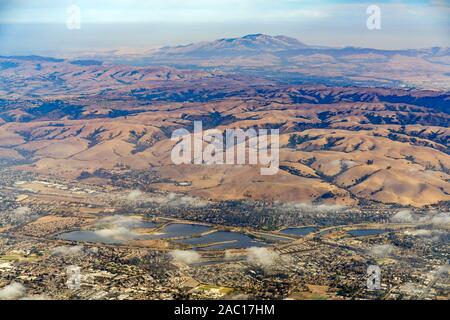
39	25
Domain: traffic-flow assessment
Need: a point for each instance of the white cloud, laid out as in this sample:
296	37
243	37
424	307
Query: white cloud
311	207
93	250
16	291
67	251
135	196
22	211
412	289
435	218
382	251
419	233
12	291
118	227
435	235
262	256
440	218
170	199
186	257
117	233
403	216
442	271
21	214
228	255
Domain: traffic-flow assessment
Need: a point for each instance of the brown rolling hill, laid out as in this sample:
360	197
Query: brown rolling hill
101	123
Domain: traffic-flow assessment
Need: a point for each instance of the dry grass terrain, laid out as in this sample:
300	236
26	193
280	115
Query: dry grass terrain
339	145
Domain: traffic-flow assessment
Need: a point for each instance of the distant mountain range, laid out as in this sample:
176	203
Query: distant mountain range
288	60
250	44
292	61
261	43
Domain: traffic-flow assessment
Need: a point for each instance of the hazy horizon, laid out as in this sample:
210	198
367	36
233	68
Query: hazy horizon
37	27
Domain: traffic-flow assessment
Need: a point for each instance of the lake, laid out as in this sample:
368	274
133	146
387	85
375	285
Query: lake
180	230
232	240
175	230
89	236
302	231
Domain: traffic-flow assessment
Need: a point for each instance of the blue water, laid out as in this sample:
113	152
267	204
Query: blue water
179	230
142	224
88	236
92	236
175	230
272	238
303	231
239	241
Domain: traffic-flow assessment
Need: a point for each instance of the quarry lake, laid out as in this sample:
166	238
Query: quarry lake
301	231
89	236
120	235
198	236
221	240
179	230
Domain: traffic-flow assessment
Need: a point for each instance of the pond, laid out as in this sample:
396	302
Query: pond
179	230
118	234
89	236
301	231
221	240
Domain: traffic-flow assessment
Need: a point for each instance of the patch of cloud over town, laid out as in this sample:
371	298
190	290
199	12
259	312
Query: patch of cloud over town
431	217
117	227
309	207
404	216
171	199
186	256
17	291
67	250
263	257
20	214
12	291
429	226
382	251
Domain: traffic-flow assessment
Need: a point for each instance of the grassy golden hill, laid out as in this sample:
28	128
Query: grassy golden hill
338	145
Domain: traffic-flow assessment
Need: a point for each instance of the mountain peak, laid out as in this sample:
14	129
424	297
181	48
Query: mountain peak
278	40
254	36
257	41
251	43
